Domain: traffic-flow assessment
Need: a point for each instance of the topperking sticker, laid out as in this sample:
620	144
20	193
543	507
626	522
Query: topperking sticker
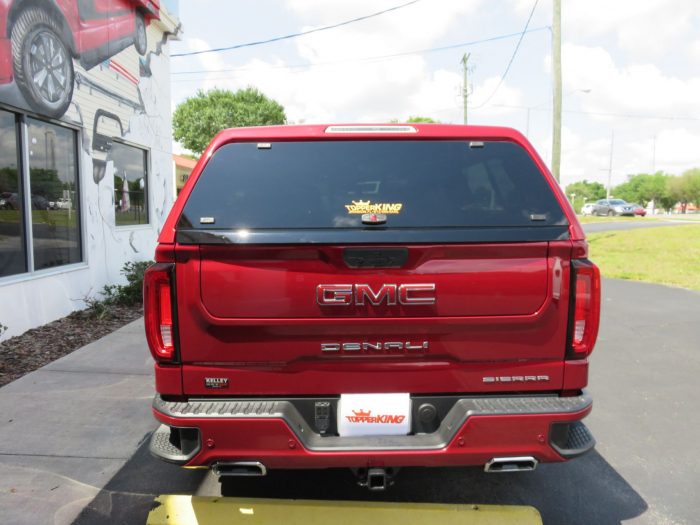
361	207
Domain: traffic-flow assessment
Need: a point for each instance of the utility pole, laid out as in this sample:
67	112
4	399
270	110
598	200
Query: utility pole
556	71
465	86
653	158
612	144
527	124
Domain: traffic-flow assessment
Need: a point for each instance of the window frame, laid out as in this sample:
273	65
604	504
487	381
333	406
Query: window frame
25	185
147	198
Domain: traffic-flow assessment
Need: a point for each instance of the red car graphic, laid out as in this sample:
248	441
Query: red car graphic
39	40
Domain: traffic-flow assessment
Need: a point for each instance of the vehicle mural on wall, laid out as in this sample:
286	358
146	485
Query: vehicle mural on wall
40	41
83	62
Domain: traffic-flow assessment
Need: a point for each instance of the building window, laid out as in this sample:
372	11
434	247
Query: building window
39	200
13	257
53	179
130	184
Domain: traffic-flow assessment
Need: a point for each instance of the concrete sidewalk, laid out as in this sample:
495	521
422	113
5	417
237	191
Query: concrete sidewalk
68	427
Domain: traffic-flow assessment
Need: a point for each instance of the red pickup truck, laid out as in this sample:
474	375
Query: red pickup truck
371	297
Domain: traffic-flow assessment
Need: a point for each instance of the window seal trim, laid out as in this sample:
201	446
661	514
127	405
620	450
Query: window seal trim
27	193
18	278
370	236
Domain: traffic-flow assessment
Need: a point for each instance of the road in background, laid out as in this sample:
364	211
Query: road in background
593	227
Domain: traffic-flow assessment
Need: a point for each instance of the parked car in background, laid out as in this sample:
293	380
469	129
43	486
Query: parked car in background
639	210
39	202
64	204
613	207
9	201
587	208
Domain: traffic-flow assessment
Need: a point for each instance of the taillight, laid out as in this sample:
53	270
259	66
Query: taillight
158	311
585	308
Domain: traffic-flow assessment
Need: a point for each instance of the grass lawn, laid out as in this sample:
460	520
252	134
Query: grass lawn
669	255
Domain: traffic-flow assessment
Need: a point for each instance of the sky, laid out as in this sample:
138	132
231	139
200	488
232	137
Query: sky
631	69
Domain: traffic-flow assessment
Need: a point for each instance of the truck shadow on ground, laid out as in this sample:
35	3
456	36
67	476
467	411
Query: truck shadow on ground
586	490
128	497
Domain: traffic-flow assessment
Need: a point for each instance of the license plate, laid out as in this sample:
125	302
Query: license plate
374	414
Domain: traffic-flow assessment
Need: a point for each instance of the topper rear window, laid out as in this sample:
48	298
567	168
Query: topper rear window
331	184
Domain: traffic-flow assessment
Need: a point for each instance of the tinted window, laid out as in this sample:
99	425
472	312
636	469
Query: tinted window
12	252
330	184
616	202
53	179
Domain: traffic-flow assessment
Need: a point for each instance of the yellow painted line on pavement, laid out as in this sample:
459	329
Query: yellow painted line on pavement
196	510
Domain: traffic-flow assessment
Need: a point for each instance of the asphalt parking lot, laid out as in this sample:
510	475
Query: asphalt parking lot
645	468
64	462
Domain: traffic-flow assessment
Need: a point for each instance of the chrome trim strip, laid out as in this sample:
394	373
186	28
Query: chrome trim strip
197	408
368	236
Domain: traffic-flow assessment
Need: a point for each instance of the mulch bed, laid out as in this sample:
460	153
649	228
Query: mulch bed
38	347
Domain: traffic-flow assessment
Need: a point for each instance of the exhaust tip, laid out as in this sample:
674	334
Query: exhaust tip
239	468
511	464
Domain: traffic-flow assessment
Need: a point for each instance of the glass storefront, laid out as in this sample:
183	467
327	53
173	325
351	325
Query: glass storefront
13	257
40	230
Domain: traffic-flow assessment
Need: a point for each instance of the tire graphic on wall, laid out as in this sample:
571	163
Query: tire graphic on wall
43	66
140	42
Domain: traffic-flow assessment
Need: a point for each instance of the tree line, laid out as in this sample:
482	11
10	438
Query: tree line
199	118
664	189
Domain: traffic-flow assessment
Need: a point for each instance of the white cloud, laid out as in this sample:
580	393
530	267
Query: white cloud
676	150
348	89
640	89
646	29
634	81
418	24
694	50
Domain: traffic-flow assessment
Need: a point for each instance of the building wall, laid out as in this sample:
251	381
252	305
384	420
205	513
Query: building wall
183	168
120	108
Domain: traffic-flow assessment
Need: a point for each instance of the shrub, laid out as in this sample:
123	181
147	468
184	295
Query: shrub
131	293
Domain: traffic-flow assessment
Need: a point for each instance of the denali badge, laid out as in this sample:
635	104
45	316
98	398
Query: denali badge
389	294
216	382
515	379
389	346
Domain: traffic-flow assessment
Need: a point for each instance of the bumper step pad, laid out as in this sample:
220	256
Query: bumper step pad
463	409
184	449
571	440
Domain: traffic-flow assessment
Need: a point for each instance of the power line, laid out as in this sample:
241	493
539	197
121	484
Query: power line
294	35
359	59
601	113
512	58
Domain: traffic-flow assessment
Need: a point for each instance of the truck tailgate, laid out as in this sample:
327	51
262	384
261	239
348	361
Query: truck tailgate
498	321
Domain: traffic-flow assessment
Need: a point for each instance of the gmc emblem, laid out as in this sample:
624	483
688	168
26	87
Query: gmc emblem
389	294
